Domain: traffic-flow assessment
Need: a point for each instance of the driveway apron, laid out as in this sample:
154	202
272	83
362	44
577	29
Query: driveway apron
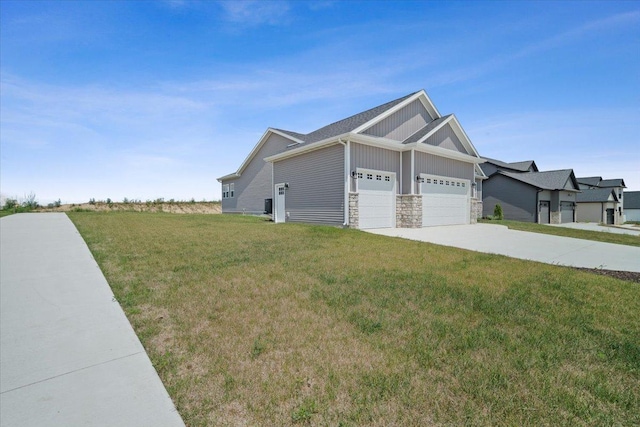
68	355
498	239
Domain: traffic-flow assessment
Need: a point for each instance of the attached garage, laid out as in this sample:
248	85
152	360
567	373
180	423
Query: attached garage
376	199
544	212
567	212
445	201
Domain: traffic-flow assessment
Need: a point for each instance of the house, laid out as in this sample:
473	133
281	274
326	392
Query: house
400	164
527	194
587	211
632	205
597	205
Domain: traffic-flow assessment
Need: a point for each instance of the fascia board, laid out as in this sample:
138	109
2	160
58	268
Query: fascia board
444	152
306	148
479	173
387	113
465	138
435	129
429	105
231	175
260	143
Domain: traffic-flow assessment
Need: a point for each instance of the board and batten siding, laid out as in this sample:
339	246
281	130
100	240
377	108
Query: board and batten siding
518	200
403	123
436	165
316	186
254	185
407	179
367	157
445	137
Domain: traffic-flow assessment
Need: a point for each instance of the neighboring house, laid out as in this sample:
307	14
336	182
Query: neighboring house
527	195
632	205
597	205
615	214
399	164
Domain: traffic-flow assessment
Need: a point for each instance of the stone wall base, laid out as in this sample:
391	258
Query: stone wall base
409	210
354	213
555	218
476	210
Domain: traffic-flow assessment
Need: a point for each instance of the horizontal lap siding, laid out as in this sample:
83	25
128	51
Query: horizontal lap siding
436	165
254	185
403	123
316	186
446	138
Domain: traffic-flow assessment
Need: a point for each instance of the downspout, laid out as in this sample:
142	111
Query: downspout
347	163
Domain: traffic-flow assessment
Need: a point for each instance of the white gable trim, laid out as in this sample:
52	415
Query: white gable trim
421	95
263	139
374	141
458	130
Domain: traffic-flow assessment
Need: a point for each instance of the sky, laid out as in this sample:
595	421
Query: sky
157	99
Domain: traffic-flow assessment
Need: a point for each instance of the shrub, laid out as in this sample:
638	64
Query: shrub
10	204
30	201
497	212
57	203
92	201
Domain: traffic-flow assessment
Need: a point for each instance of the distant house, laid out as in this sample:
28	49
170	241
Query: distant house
613	209
597	205
400	164
525	194
632	205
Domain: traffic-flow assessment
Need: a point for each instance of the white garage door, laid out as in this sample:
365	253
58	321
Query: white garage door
376	199
445	201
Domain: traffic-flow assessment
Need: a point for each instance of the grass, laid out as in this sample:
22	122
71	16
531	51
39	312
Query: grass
597	236
253	323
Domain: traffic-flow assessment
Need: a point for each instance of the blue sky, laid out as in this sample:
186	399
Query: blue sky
148	99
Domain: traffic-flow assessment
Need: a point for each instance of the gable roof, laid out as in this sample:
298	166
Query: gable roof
546	180
595	195
592	181
631	200
424	131
515	166
354	125
608	183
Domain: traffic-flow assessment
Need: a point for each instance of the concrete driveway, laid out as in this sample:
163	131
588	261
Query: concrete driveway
68	355
594	226
498	239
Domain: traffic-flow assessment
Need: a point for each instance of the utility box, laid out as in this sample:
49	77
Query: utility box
268	206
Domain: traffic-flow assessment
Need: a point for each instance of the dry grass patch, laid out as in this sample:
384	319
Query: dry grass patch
252	323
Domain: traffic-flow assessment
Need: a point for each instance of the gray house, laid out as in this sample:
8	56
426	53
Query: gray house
401	164
614	210
632	205
547	197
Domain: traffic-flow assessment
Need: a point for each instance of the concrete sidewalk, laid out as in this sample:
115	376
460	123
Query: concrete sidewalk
498	239
594	226
68	355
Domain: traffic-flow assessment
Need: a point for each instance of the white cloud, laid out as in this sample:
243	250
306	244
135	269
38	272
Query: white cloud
255	12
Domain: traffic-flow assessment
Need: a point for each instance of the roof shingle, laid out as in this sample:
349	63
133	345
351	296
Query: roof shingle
547	180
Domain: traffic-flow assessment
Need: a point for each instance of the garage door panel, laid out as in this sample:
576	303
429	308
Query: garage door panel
445	201
376	199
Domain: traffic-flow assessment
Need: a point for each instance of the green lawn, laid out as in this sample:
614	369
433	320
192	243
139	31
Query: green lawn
253	323
598	236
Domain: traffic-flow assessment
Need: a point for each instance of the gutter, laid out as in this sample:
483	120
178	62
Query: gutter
347	164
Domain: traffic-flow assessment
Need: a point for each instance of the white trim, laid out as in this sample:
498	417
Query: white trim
276	218
374	141
255	149
421	95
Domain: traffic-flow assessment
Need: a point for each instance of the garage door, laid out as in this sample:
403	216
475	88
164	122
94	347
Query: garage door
544	212
566	212
445	201
376	199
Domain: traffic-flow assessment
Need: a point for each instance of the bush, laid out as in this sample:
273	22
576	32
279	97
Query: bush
497	212
10	204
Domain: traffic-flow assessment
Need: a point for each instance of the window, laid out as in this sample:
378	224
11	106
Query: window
225	191
441	182
428	180
359	175
231	190
369	176
463	184
378	177
387	178
280	191
457	184
447	182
